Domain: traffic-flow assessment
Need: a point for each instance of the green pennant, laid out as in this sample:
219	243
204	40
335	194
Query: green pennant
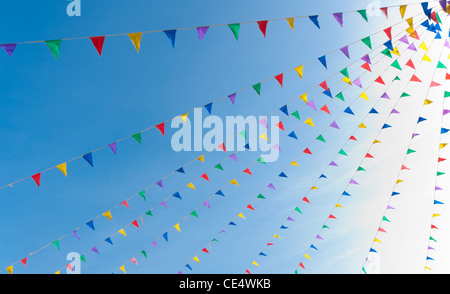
235	29
142	194
260	196
56	243
410	151
261	160
149	213
446	94
340	96
194	213
438	18
363	14
214	240
342	152
218	166
257	88
345	72
53	45
364	270
360	169
432	239
243	134
320	138
83	258
298	210
396	79
137	137
295	272
396	65
325	227
387	52
440	173
386	219
367	41
144	253
296	114
404	94
441	65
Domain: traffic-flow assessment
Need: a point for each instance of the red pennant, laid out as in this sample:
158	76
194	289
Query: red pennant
380	80
205	176
388	32
332	216
404	167
37	179
380	229
306	200
248	272
325	109
324	85
434	227
250	207
98	43
447	76
263	26
24	261
135	223
307	151
279	78
433	16
353	138
247	171
161	128
434	84
414	78
125	203
366	66
269	244
280	125
301	264
69	266
441	159
385	11
222	147
410	64
368	155
205	250
415	35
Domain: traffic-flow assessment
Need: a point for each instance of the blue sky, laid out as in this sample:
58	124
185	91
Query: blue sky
53	111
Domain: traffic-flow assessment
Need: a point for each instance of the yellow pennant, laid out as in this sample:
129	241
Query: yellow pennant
136	39
347	80
294	163
376	240
309	122
184	117
364	96
362	126
435	214
255	263
396	52
190	185
442	145
307	256
196	259
201	158
299	70
234	182
399	181
9	269
241	215
264	136
304	97
423	46
410	22
338	205
410	30
314	188
122	232
376	141
177	226
426	58
63	168
428	268
107	215
57	272
122	268
276	236
448	56
290	21
402	10
427	102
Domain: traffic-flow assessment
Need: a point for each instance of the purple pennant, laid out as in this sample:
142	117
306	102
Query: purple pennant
154	244
445	111
334	125
357	82
95	250
290	219
206	203
385	96
271	186
437	188
430	248
352	181
9	48
413	135
263	122
394	111
163	203
113	147
446	44
201	32
333	163
339	17
180	272
443	4
404	39
75	235
412	47
366	58
160	183
311	104
345	51
277	147
319	237
389	207
233	156
232	97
